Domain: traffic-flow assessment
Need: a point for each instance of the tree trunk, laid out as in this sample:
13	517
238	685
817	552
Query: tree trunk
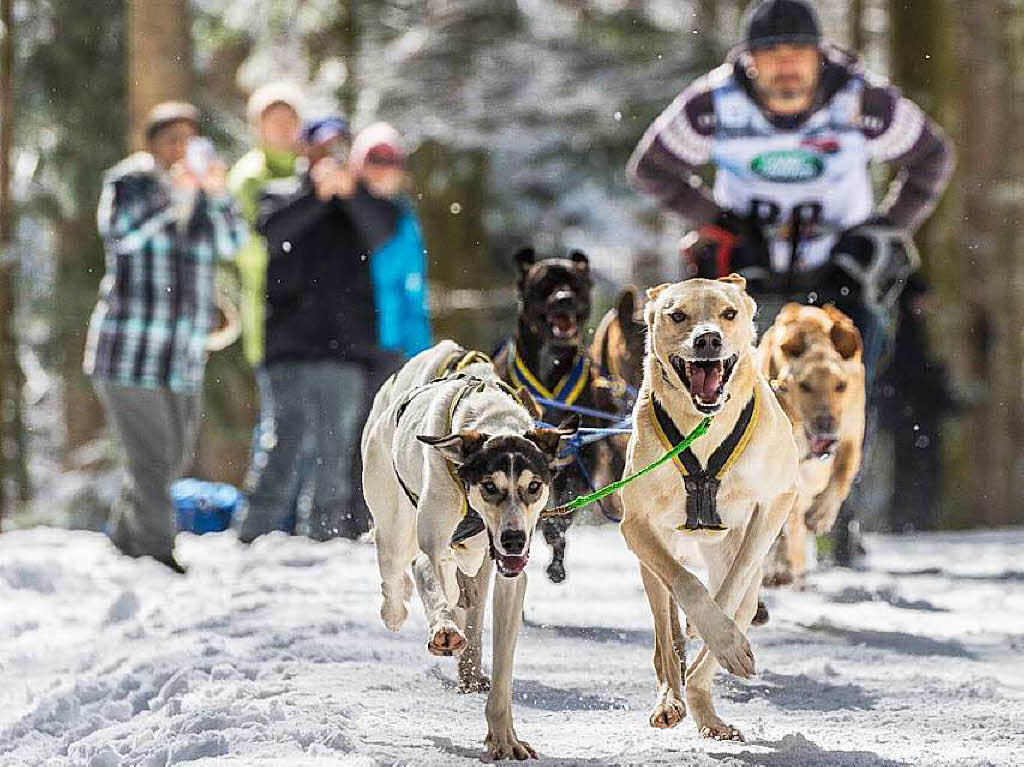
159	57
13	465
348	37
992	255
856	26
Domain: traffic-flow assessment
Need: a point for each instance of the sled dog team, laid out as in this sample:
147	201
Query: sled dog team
458	474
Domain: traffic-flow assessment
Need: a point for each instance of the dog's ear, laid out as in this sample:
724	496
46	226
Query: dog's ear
735	279
625	305
551	441
846	338
456	447
529	403
794	345
579	258
525	259
653	293
833	313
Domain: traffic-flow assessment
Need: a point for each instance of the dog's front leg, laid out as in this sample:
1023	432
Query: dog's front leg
825	508
668	708
719	632
762	529
444	635
435	568
502	741
700	674
737	597
474	600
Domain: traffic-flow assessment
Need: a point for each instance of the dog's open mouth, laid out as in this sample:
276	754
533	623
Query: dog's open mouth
564	327
705	380
820	445
509	565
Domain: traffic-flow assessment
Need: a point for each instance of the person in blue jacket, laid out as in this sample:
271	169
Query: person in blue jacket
397	261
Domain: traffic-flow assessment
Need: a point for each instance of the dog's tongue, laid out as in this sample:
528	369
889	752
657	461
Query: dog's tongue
705	380
513	565
821	445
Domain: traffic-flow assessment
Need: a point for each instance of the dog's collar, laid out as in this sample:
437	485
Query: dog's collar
565	392
702	482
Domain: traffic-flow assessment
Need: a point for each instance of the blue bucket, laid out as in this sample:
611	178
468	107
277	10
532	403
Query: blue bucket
204	507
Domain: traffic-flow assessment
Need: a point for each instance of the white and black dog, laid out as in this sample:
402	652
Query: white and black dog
456	476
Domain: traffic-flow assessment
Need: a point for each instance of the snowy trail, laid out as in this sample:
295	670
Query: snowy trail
276	656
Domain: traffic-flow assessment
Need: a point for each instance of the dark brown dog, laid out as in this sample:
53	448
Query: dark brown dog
549	359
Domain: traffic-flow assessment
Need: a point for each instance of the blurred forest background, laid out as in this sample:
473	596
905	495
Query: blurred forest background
523	113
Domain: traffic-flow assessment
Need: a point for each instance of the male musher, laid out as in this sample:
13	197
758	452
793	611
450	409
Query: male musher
791	124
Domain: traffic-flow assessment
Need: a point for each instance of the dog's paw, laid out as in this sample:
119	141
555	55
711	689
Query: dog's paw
779	576
470	683
505	744
762	616
721	731
709	725
556	571
732	650
668	712
446	640
393	613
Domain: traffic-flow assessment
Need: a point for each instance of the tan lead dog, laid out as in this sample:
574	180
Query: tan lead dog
700	363
812	357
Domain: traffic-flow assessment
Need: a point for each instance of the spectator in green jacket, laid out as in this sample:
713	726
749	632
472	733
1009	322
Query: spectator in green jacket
274	113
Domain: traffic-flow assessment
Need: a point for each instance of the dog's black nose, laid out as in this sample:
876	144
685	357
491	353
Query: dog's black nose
513	541
824	424
708	342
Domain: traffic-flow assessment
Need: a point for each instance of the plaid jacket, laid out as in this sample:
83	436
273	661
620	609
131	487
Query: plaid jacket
157	299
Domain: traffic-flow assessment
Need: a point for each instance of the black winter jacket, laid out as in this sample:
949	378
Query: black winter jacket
320	302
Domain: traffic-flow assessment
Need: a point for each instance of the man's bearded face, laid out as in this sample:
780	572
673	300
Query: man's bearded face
787	75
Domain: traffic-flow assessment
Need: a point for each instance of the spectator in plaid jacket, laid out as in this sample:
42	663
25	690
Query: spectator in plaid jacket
165	224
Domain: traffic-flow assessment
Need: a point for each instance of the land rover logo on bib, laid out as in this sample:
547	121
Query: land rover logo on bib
788	165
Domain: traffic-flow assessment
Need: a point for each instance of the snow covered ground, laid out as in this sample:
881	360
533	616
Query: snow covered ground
275	656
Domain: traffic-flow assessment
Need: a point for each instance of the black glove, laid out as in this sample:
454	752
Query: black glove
855	243
874	259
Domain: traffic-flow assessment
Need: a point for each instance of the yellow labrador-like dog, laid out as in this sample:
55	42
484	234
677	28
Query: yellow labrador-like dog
812	357
721	504
456	476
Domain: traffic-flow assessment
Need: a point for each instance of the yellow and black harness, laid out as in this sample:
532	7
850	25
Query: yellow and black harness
565	392
702	482
459	360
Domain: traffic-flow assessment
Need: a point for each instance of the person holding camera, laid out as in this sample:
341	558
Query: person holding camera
322	342
166	219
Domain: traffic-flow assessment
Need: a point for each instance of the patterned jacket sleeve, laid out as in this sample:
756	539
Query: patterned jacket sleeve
665	162
899	133
229	227
128	217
